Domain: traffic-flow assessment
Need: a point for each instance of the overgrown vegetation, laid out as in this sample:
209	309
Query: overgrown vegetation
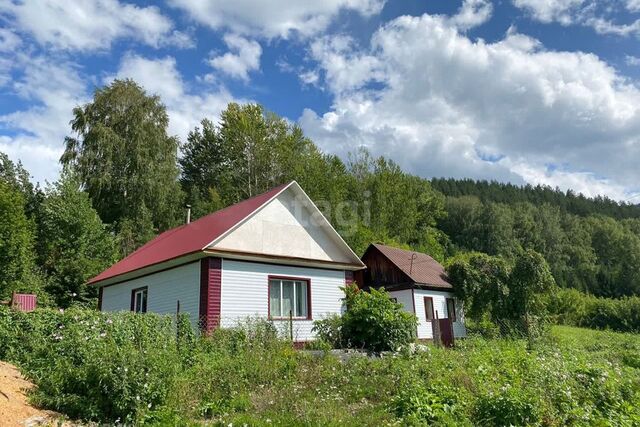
372	321
513	296
137	369
572	307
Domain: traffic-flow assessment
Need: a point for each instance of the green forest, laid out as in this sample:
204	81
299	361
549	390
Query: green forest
125	179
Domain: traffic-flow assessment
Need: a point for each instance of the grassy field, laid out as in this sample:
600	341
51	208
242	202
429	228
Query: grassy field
128	368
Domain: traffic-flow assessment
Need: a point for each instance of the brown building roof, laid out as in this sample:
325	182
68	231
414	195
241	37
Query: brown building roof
423	270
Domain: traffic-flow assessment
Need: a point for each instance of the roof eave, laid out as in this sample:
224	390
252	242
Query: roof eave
149	269
433	287
283	260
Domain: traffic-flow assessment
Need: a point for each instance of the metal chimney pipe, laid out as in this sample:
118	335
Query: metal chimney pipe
188	213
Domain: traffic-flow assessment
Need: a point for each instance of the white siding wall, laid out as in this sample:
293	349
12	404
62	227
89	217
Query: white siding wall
439	305
245	292
165	289
405	298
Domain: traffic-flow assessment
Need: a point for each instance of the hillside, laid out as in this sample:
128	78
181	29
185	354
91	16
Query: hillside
568	201
590	244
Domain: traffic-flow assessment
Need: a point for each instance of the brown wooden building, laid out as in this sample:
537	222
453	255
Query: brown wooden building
415	280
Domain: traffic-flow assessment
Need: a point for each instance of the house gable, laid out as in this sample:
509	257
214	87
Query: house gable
291	226
381	272
394	267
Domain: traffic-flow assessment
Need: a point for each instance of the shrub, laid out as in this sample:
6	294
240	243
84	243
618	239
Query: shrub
329	330
508	407
247	375
93	365
418	405
374	322
515	297
572	307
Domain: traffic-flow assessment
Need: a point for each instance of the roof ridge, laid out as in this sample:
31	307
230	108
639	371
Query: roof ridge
278	187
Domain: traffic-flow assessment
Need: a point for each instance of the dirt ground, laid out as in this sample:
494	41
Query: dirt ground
14	407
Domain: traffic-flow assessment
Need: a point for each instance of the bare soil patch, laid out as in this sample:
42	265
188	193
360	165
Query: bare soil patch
15	409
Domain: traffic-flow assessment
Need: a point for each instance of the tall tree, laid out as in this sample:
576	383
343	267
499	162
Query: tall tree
74	243
249	152
17	177
206	169
125	158
17	261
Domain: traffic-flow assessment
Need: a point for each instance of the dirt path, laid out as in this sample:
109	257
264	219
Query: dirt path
14	407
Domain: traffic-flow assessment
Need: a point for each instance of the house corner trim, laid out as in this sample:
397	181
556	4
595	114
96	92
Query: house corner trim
210	293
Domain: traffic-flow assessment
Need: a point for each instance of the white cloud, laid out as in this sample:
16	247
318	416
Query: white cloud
472	13
604	26
35	135
91	24
9	41
276	18
633	5
551	10
442	104
589	13
581	182
346	67
309	77
244	56
186	107
632	60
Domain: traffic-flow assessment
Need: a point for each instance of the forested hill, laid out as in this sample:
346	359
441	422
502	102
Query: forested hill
123	183
568	201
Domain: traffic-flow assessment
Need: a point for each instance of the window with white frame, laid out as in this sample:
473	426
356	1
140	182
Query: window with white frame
289	297
139	300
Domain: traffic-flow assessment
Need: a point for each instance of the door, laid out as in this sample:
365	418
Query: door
446	332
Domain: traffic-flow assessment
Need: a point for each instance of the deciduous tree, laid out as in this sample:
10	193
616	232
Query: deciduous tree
75	245
125	159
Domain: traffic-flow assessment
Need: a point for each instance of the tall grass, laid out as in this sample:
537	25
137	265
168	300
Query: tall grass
137	369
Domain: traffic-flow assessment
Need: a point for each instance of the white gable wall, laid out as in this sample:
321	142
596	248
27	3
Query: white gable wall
165	289
245	294
286	227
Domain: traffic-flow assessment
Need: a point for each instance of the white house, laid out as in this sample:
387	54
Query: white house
419	283
273	256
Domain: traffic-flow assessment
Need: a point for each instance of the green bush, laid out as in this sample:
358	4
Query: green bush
94	365
508	407
513	294
418	405
374	322
329	330
572	307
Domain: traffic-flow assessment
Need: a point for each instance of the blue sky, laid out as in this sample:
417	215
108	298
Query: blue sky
525	91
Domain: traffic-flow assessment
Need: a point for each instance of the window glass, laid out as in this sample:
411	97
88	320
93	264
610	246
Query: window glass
274	298
140	301
451	309
428	308
301	299
144	301
287	298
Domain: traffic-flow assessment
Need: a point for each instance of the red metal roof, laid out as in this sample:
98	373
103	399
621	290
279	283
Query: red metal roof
422	270
188	238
